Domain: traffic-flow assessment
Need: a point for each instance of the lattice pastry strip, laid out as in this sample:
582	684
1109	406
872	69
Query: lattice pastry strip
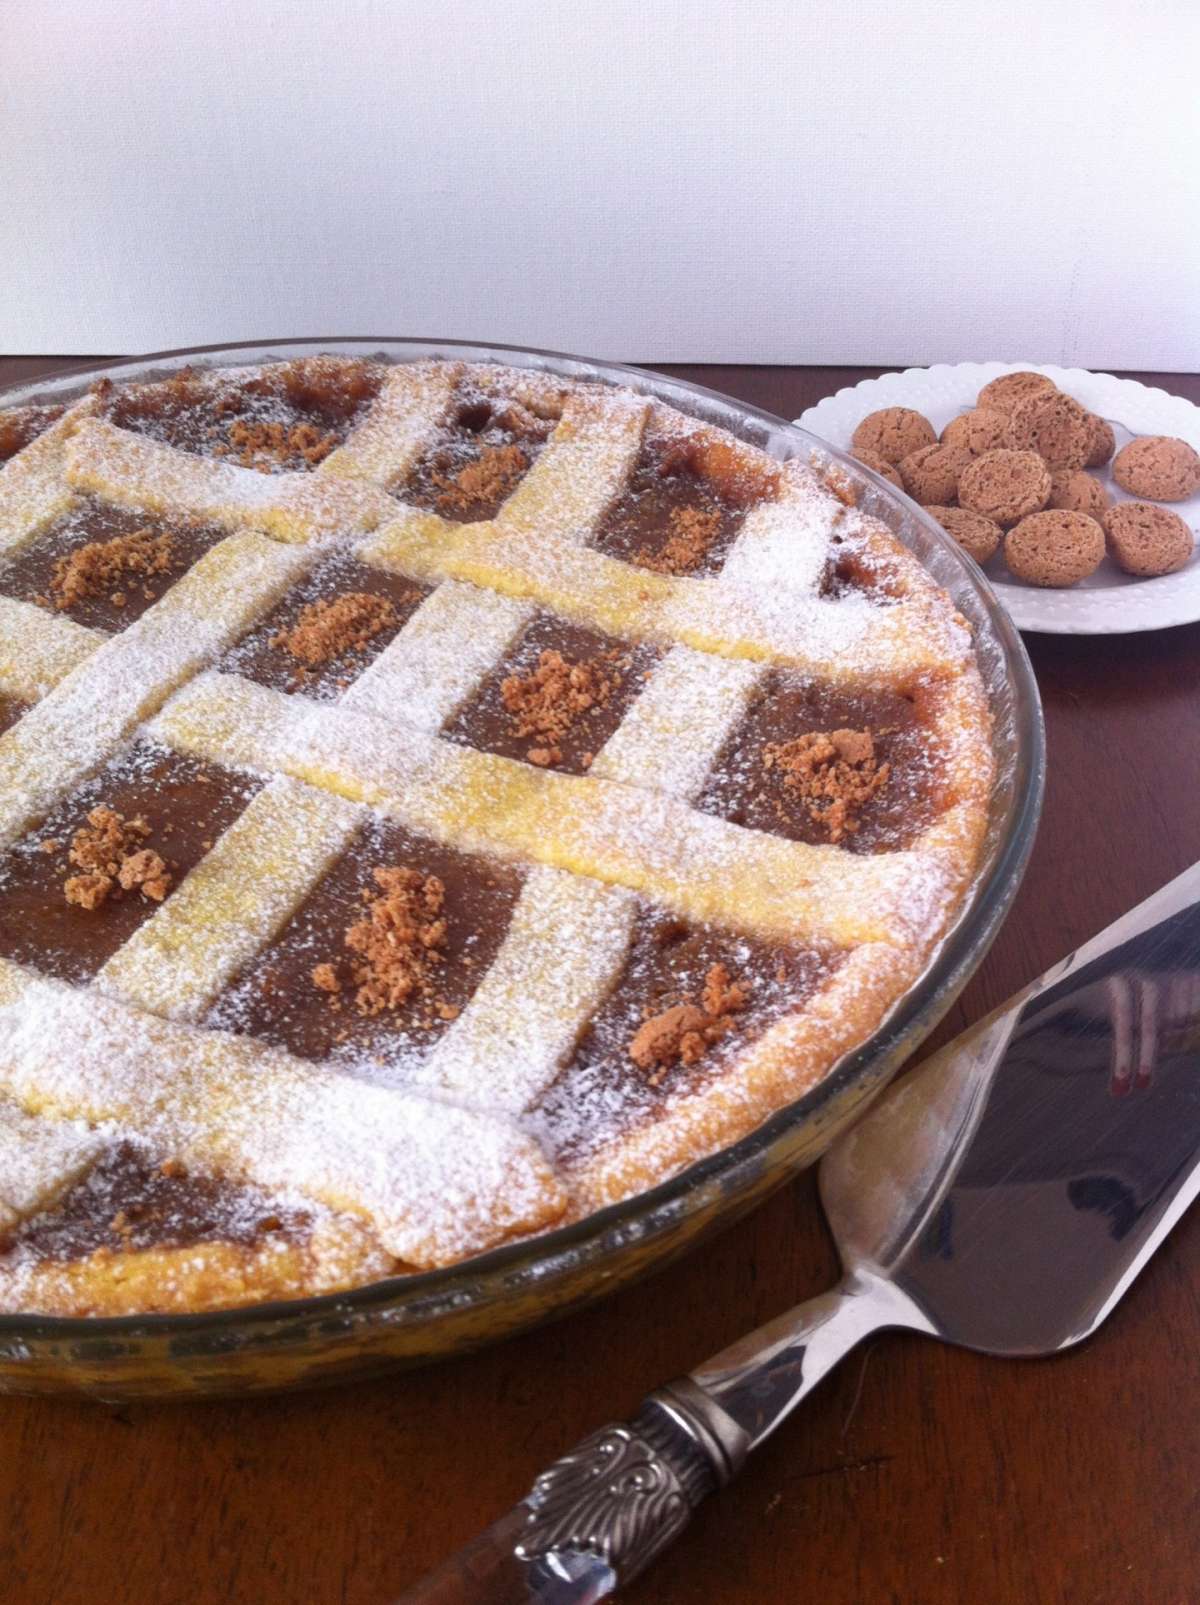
135	471
438	658
569	935
233	901
39	1160
849	641
434	1181
678	723
785	542
385	446
700	865
74	727
563	950
583	466
33	487
38	649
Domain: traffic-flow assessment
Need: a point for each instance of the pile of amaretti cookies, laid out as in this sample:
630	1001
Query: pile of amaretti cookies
1014	469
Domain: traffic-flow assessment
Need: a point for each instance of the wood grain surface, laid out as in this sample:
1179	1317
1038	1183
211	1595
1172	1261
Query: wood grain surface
917	1475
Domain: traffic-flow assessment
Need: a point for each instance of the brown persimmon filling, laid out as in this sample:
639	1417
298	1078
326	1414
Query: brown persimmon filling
288	416
480	455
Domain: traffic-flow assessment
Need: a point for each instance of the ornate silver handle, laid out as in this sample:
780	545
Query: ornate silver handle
601	1513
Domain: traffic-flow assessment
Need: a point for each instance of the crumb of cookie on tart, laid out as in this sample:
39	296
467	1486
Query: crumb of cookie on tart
1146	540
1054	548
893	432
97	568
335	626
545	703
977	535
87	891
931	473
395	947
982	429
1005	485
1076	492
683	1032
693	531
1054	426
1006	392
491	477
880	465
832	773
145	870
1158	468
268	445
1103	442
109	851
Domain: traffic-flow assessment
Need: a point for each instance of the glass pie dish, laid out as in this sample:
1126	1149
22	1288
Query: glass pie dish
416	1317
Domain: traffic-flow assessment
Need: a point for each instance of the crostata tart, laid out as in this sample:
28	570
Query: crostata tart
436	800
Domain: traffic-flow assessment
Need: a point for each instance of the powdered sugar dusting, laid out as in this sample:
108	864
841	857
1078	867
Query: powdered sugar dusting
39	1158
38	649
435	662
435	1180
428	1154
563	952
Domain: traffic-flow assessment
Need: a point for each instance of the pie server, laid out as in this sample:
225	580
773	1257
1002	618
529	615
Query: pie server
1003	1197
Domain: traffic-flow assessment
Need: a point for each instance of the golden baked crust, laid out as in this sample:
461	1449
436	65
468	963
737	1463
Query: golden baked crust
648	773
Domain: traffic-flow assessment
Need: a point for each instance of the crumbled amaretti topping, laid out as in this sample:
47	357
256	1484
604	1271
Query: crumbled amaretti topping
336	626
546	703
492	477
693	531
832	773
395	948
110	854
103	568
683	1032
268	445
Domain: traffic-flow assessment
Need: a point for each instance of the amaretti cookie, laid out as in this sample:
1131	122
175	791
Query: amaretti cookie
1159	467
1054	548
1104	442
1005	485
1076	492
931	474
892	433
982	429
1147	540
1054	426
1006	392
977	535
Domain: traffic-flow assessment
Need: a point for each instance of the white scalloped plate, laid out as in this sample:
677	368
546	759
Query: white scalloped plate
1108	602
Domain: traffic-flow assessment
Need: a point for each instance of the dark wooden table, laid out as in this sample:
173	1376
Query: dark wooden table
917	1475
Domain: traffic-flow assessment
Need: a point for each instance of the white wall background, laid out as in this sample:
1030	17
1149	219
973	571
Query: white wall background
756	180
